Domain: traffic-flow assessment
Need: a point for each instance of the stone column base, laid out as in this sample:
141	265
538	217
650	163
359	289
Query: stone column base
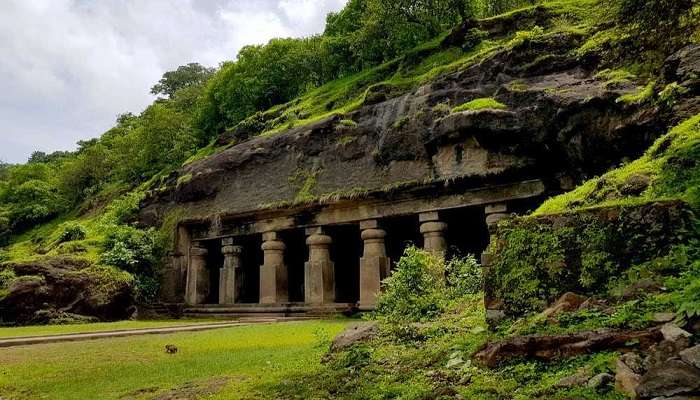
372	270
319	282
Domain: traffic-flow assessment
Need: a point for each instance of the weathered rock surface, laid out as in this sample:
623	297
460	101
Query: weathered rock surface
548	347
600	381
562	125
627	376
580	378
674	377
691	356
60	289
354	334
567	302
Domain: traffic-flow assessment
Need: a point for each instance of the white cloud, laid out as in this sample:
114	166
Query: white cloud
68	67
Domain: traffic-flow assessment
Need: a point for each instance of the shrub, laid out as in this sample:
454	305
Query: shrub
464	276
671	93
146	289
123	209
423	285
132	250
70	232
413	290
686	291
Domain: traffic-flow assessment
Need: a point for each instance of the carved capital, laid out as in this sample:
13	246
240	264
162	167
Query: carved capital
230	250
373	234
433	227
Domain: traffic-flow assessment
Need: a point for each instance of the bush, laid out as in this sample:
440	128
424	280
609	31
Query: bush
132	250
464	276
414	290
70	232
123	209
686	291
423	285
146	289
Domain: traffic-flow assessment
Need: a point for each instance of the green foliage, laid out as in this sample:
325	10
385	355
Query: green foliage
668	21
442	108
192	74
147	289
669	168
133	250
123	209
640	96
305	181
423	285
464	276
671	93
71	231
686	290
480	104
7	275
348	122
414	290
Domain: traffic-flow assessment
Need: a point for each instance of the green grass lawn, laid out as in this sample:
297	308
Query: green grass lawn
42	330
230	363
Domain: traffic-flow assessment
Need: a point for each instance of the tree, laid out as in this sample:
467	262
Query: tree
184	76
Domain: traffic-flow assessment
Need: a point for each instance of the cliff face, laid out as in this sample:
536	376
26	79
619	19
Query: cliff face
560	122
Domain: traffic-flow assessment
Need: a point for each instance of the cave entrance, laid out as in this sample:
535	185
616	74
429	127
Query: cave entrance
295	255
401	232
215	260
346	251
251	260
467	232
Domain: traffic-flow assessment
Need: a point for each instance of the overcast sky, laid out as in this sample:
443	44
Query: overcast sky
68	67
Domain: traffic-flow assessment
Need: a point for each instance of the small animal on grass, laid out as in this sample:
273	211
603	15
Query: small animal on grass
170	348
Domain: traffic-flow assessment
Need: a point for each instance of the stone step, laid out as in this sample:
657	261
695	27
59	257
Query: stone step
263	310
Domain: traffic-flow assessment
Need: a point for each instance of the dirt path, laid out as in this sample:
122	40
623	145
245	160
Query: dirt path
74	337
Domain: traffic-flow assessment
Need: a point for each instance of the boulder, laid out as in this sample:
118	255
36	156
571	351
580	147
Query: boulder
663	318
671	378
673	333
663	351
567	302
354	334
600	381
627	378
633	361
62	289
580	378
691	356
548	347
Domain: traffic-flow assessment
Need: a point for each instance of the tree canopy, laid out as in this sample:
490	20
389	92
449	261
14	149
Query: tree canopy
184	76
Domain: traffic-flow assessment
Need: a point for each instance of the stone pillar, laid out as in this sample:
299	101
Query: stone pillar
273	272
433	231
197	276
230	272
319	279
374	264
494	214
171	287
494	307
